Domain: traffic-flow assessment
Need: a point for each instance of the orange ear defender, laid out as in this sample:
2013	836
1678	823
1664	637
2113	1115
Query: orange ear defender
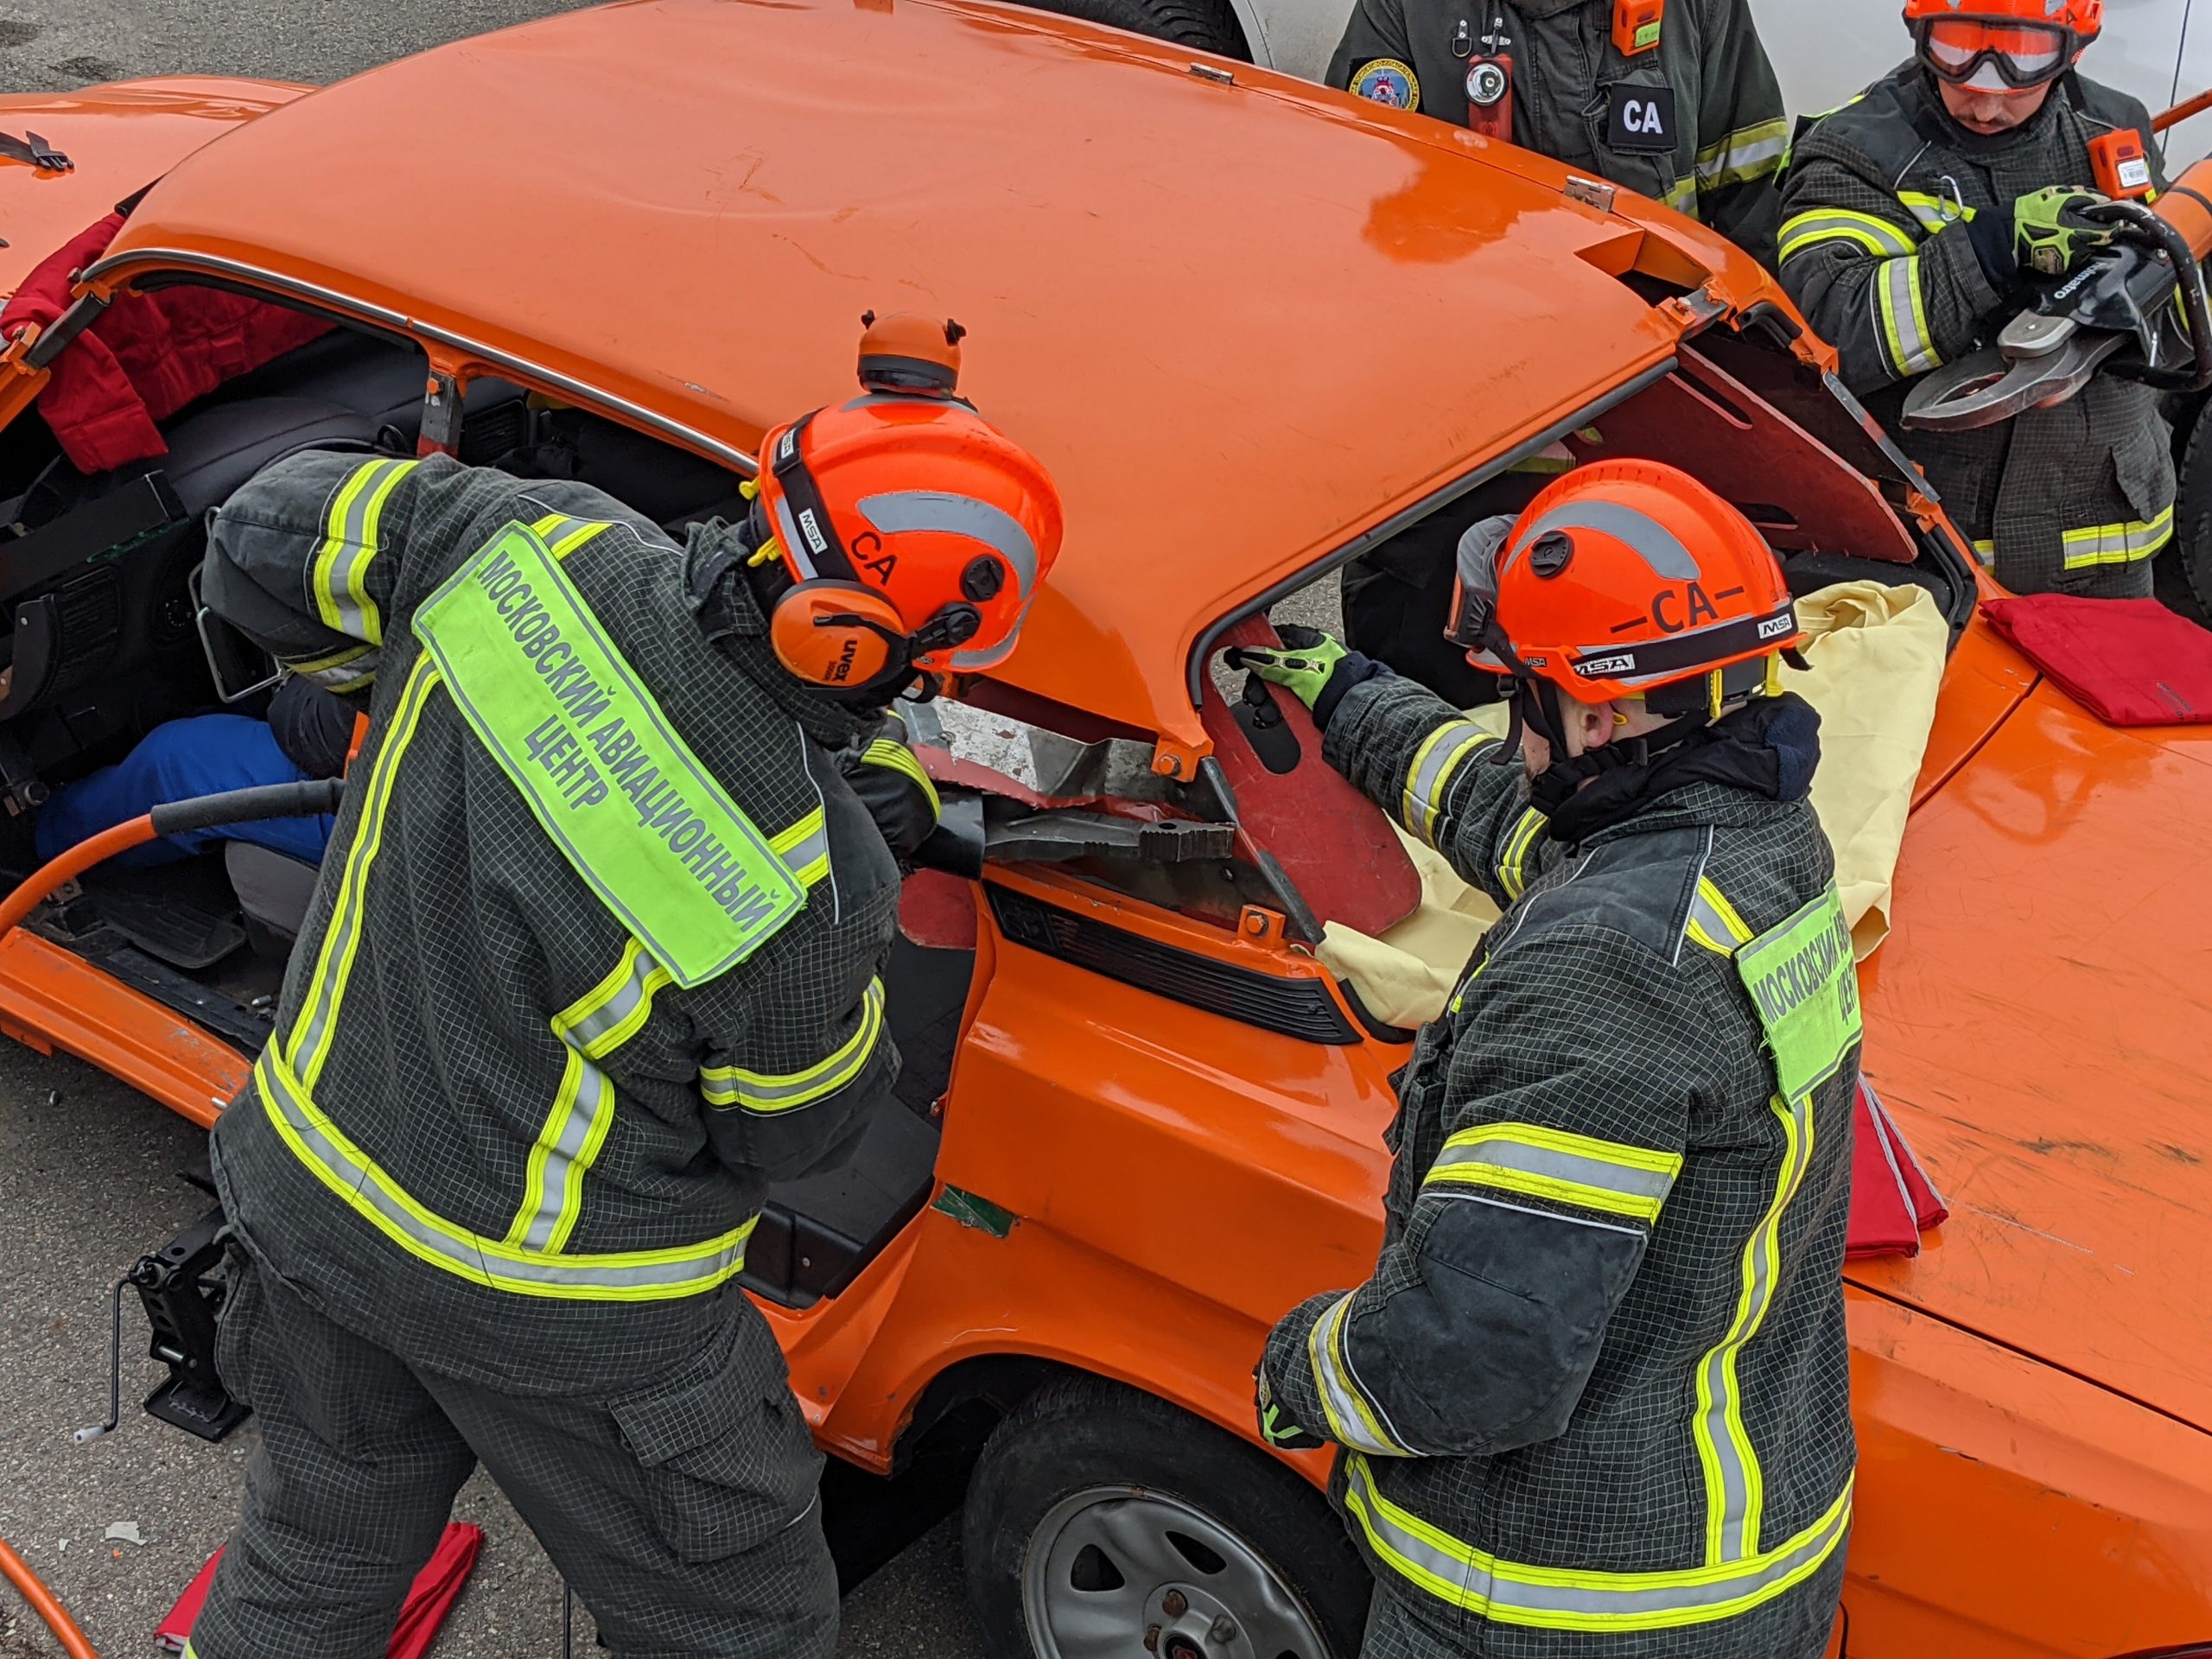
837	633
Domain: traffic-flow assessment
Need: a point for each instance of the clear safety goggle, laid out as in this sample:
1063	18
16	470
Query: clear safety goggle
1991	54
1473	624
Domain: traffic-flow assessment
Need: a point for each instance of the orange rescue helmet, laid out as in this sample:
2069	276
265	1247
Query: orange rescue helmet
915	533
1621	578
2002	46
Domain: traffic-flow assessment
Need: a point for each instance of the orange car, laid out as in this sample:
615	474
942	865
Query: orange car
1253	326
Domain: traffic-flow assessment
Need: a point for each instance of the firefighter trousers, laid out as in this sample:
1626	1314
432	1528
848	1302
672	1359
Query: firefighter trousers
684	1512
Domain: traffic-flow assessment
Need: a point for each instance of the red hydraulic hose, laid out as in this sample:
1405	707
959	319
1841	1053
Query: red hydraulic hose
34	1591
69	866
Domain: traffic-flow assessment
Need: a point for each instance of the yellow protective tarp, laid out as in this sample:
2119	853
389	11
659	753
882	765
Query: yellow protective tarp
1875	658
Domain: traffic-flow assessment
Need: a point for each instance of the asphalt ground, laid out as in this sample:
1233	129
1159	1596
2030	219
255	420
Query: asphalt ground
87	1166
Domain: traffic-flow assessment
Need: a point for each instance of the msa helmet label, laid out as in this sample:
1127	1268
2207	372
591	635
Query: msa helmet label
815	538
1773	627
1596	665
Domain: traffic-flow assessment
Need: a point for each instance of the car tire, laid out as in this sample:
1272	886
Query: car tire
2182	573
1097	1512
1202	25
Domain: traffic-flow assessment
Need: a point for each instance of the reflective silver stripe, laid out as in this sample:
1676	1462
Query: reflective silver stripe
1742	154
1354	1419
1682	195
371	1192
601	1026
1621	1180
1658	546
592	1095
1903	316
1512	873
763	1091
1434	762
349	543
956	515
1712	922
1509	1593
1734	1488
797	553
345	672
806	853
2116	544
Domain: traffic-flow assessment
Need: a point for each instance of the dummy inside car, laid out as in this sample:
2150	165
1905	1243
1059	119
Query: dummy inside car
1145	1097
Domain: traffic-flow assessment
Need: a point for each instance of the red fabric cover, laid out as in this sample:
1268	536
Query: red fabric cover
2130	662
145	357
1893	1201
428	1603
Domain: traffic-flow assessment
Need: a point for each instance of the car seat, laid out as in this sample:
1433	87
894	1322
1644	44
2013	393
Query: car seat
273	892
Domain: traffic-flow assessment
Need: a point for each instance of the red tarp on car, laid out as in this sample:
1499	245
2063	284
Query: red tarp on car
145	357
2130	662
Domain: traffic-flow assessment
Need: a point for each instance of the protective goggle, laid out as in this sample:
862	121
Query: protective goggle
1999	55
1473	624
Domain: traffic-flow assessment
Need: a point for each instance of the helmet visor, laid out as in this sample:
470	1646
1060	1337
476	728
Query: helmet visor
1473	623
1990	55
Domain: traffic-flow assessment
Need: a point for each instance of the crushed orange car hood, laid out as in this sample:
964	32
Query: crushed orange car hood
2040	1022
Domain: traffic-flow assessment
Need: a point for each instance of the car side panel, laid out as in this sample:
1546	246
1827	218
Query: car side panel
2006	1508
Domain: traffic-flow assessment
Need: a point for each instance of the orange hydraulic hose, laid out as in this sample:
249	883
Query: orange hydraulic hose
36	1593
131	833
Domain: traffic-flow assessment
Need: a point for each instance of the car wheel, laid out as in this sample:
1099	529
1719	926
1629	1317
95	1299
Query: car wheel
1102	1521
2182	574
1205	25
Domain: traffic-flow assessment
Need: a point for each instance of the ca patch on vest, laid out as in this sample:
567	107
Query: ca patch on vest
1639	119
604	773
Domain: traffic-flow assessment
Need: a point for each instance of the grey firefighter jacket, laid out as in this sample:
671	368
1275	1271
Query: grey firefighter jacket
491	1127
1706	131
1881	207
1604	1336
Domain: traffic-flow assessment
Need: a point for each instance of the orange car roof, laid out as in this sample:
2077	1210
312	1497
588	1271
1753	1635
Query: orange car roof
1239	321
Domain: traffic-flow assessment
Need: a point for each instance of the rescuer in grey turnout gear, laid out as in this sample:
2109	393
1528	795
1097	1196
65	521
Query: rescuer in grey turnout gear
1915	218
594	960
1593	1401
1679	105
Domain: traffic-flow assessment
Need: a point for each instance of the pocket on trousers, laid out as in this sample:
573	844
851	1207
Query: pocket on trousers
2143	464
234	1326
728	1460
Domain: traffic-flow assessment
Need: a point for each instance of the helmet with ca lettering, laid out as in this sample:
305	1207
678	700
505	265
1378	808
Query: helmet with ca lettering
2002	46
914	533
1625	579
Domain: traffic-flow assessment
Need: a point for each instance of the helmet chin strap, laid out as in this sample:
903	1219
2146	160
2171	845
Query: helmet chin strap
1537	702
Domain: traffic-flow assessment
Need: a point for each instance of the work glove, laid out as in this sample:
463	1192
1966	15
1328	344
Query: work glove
890	782
2055	228
1313	667
1275	1428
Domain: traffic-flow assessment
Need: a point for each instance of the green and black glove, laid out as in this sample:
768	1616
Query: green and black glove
1276	1429
1313	667
2055	228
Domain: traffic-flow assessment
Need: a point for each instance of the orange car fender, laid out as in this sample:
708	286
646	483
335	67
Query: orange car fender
1992	1487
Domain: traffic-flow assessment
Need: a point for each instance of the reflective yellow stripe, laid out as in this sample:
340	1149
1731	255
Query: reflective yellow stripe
1682	195
897	757
1934	213
310	1042
564	535
1748	153
346	671
1437	757
1713	921
804	847
1512	874
1569	1598
1615	1177
608	1015
769	1091
339	577
1354	1419
1734	1488
1896	295
2116	544
1877	236
371	1192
